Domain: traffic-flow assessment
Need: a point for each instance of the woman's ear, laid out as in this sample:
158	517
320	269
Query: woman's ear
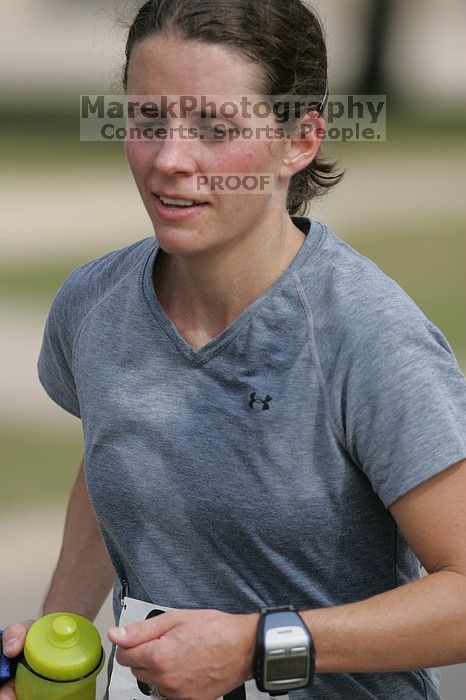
302	145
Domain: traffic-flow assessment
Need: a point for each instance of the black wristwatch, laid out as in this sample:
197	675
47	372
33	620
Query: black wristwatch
284	658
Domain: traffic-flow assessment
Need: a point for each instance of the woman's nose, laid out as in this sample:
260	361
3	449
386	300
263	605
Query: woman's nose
175	153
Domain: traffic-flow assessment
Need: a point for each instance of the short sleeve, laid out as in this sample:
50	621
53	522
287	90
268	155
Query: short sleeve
55	359
404	405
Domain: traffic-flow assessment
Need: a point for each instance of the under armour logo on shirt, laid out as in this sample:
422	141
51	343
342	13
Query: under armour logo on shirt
265	402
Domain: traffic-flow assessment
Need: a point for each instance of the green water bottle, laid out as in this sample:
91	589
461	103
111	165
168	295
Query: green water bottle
62	658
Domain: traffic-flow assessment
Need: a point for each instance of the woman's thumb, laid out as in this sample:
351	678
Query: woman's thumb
13	638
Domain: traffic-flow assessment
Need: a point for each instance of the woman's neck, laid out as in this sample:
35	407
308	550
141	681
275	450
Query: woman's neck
204	294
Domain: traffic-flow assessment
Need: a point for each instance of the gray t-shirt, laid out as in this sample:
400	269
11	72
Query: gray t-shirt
258	470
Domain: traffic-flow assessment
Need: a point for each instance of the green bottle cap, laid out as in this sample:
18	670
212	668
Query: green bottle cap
63	646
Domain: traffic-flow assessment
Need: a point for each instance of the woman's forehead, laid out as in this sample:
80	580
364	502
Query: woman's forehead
161	64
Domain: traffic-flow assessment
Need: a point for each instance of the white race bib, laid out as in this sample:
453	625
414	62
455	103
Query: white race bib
124	686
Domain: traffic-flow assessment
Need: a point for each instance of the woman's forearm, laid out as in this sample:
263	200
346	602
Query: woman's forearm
417	625
84	573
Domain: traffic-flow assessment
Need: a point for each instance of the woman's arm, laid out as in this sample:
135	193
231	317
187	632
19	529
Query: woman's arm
84	573
420	624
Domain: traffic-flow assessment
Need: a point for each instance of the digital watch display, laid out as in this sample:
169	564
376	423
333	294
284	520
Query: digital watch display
279	669
285	656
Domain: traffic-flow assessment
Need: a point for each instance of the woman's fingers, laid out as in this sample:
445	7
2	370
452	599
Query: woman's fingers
13	638
7	691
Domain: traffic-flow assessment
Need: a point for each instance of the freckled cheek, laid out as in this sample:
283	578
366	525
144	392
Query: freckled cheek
140	158
249	157
255	158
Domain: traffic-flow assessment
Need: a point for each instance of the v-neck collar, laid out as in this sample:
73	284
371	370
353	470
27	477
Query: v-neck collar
197	357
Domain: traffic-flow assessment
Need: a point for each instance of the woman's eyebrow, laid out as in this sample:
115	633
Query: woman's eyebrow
204	115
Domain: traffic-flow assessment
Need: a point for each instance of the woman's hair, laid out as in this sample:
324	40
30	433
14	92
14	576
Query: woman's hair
286	39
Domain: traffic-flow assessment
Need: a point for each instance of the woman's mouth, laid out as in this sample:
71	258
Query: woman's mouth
177	209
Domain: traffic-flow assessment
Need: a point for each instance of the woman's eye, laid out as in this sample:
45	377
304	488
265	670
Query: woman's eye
149	125
216	131
209	132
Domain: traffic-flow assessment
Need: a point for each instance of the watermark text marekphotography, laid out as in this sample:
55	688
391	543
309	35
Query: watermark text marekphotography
221	118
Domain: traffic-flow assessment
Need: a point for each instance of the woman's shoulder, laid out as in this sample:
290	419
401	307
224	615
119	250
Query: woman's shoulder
112	265
366	331
91	281
344	285
356	306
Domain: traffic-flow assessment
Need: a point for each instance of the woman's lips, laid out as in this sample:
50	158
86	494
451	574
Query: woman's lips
174	213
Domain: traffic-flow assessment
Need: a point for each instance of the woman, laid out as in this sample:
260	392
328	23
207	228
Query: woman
268	419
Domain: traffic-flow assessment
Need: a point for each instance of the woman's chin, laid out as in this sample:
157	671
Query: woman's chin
176	242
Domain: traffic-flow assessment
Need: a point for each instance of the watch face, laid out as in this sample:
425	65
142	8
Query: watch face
285	652
286	668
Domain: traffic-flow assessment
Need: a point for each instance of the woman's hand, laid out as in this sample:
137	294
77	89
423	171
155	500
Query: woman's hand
189	654
14	637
